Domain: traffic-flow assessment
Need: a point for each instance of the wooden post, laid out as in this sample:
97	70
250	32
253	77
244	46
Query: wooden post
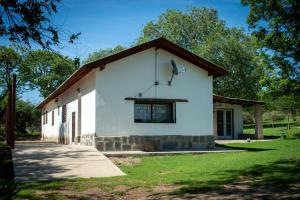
10	113
258	122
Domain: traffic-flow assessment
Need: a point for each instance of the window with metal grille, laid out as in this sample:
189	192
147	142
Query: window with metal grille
154	112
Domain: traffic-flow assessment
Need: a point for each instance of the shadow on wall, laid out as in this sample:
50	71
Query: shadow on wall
63	134
259	181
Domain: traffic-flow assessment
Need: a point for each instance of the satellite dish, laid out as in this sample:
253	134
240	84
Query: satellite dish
175	69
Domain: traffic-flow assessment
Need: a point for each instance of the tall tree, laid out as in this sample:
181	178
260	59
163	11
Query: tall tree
45	70
10	62
201	31
276	25
30	20
103	53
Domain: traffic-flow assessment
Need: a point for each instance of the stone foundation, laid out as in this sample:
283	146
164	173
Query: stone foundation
154	143
87	139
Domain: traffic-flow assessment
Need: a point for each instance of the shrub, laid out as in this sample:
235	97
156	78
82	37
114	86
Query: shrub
248	118
294	133
8	189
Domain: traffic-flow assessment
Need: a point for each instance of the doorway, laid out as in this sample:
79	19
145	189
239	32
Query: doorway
73	126
225	124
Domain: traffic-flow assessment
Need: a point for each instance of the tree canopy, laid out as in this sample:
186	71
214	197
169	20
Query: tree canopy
103	53
276	26
10	62
45	70
29	21
200	31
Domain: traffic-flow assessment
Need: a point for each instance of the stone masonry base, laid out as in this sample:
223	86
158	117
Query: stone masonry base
153	143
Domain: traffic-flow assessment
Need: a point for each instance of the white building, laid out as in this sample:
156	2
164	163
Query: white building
126	102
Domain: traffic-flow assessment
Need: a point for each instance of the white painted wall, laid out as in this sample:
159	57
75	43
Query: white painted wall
131	75
70	98
238	117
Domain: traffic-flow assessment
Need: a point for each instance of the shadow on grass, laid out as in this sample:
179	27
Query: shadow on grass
276	176
244	148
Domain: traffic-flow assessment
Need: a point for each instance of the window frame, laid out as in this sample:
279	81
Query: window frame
172	106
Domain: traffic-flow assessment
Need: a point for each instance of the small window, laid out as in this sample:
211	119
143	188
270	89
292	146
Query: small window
154	112
43	118
46	117
64	113
53	118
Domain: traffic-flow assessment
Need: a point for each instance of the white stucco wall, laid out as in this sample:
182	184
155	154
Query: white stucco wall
70	99
134	74
237	115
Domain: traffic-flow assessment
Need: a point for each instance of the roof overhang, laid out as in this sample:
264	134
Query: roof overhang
230	100
160	43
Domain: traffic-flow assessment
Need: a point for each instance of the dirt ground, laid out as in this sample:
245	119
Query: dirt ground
240	190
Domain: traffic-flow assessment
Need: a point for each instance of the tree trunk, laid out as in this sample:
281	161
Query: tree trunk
288	118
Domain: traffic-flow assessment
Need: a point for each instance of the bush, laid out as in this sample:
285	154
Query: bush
277	116
294	133
248	118
8	189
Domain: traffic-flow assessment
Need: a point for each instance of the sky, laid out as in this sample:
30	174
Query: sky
107	23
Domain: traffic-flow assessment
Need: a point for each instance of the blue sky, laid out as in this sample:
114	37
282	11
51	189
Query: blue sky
107	23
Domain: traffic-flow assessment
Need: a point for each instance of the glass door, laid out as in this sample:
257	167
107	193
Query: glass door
224	124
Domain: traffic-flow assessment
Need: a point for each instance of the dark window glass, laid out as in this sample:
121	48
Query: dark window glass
154	112
64	113
228	123
220	123
46	117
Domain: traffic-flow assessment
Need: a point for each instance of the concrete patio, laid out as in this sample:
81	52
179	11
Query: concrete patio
42	161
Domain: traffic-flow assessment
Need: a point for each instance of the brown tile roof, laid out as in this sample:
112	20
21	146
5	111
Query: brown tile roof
162	43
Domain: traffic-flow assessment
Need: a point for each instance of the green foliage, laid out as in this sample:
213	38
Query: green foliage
10	64
45	70
103	53
200	31
8	189
26	21
27	117
276	26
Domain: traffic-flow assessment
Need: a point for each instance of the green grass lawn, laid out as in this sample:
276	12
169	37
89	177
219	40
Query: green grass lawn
275	162
278	129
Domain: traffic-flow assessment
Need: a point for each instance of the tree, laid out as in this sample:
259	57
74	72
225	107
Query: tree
26	21
276	26
10	62
27	117
45	70
103	53
200	31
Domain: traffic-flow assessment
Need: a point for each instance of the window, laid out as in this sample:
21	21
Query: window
154	112
64	113
53	118
46	117
43	118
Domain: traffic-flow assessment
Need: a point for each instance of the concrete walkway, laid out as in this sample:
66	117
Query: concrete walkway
37	162
239	141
